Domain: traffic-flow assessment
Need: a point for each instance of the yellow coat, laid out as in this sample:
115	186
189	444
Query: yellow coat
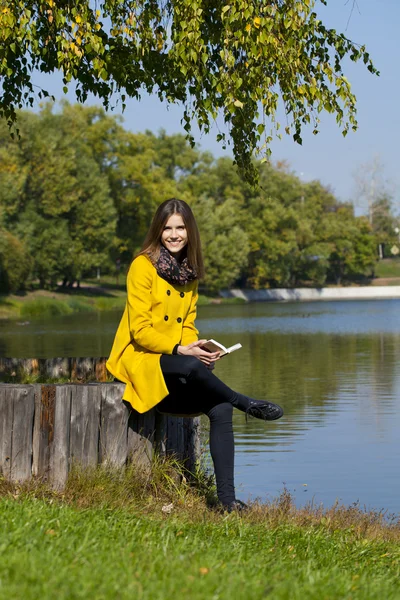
157	316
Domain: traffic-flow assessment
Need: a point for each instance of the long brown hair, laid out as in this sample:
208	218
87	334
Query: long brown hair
152	242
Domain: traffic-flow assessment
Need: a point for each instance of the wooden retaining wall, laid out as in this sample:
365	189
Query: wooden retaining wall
45	428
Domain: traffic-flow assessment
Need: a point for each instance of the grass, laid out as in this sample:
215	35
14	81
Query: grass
107	536
388	267
41	304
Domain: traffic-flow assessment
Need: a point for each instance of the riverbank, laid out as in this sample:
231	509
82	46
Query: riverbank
150	535
96	298
93	298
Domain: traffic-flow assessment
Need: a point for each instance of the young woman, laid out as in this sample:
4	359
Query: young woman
156	350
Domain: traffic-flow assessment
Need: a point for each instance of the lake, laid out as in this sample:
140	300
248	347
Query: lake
333	366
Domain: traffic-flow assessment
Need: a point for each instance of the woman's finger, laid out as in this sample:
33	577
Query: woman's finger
205	360
209	355
198	343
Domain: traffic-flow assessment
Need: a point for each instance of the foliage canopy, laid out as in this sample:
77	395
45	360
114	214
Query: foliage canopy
234	59
63	228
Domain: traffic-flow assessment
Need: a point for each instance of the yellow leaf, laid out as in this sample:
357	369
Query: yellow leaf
248	27
238	104
257	22
203	570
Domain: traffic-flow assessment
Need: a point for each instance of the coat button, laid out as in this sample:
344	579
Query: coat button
182	295
168	292
179	320
166	318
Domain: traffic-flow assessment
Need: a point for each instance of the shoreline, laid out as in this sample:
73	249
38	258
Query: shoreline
41	303
385	292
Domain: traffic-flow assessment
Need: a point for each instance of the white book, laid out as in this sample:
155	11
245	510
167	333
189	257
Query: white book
213	346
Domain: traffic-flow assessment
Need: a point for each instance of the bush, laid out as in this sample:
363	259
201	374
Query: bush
15	263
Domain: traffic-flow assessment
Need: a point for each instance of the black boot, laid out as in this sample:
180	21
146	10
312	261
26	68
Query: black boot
235	506
267	411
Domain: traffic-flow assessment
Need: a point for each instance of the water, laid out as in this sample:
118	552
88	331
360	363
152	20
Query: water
334	368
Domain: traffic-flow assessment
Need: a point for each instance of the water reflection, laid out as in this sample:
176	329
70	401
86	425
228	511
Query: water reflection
333	366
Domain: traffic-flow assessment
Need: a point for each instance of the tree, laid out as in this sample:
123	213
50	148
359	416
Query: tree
224	242
300	233
384	224
238	60
15	263
60	206
373	196
353	246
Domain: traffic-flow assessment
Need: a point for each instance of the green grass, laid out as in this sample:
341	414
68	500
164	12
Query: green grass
110	303
8	308
44	307
388	267
107	537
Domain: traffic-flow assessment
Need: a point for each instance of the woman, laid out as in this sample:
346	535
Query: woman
156	350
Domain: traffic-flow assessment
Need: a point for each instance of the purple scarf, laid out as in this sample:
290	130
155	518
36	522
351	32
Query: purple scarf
171	270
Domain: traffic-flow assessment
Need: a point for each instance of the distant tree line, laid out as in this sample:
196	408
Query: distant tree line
77	192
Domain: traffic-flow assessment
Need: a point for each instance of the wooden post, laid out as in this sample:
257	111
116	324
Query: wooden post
6	426
114	419
59	462
85	424
17	404
44	428
21	452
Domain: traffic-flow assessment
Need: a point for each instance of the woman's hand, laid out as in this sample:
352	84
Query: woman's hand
195	349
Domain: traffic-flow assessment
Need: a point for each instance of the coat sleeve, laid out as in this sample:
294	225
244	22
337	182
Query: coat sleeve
139	299
189	332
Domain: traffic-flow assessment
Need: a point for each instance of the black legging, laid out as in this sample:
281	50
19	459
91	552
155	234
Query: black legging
194	389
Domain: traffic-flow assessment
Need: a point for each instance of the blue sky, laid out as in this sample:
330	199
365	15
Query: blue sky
329	157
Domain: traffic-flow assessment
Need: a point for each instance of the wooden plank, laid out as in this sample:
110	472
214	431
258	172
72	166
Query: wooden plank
175	436
160	436
43	429
85	424
113	425
6	425
21	452
191	451
141	429
133	442
147	424
59	451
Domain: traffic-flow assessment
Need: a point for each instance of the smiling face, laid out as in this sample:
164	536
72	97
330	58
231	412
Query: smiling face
174	236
